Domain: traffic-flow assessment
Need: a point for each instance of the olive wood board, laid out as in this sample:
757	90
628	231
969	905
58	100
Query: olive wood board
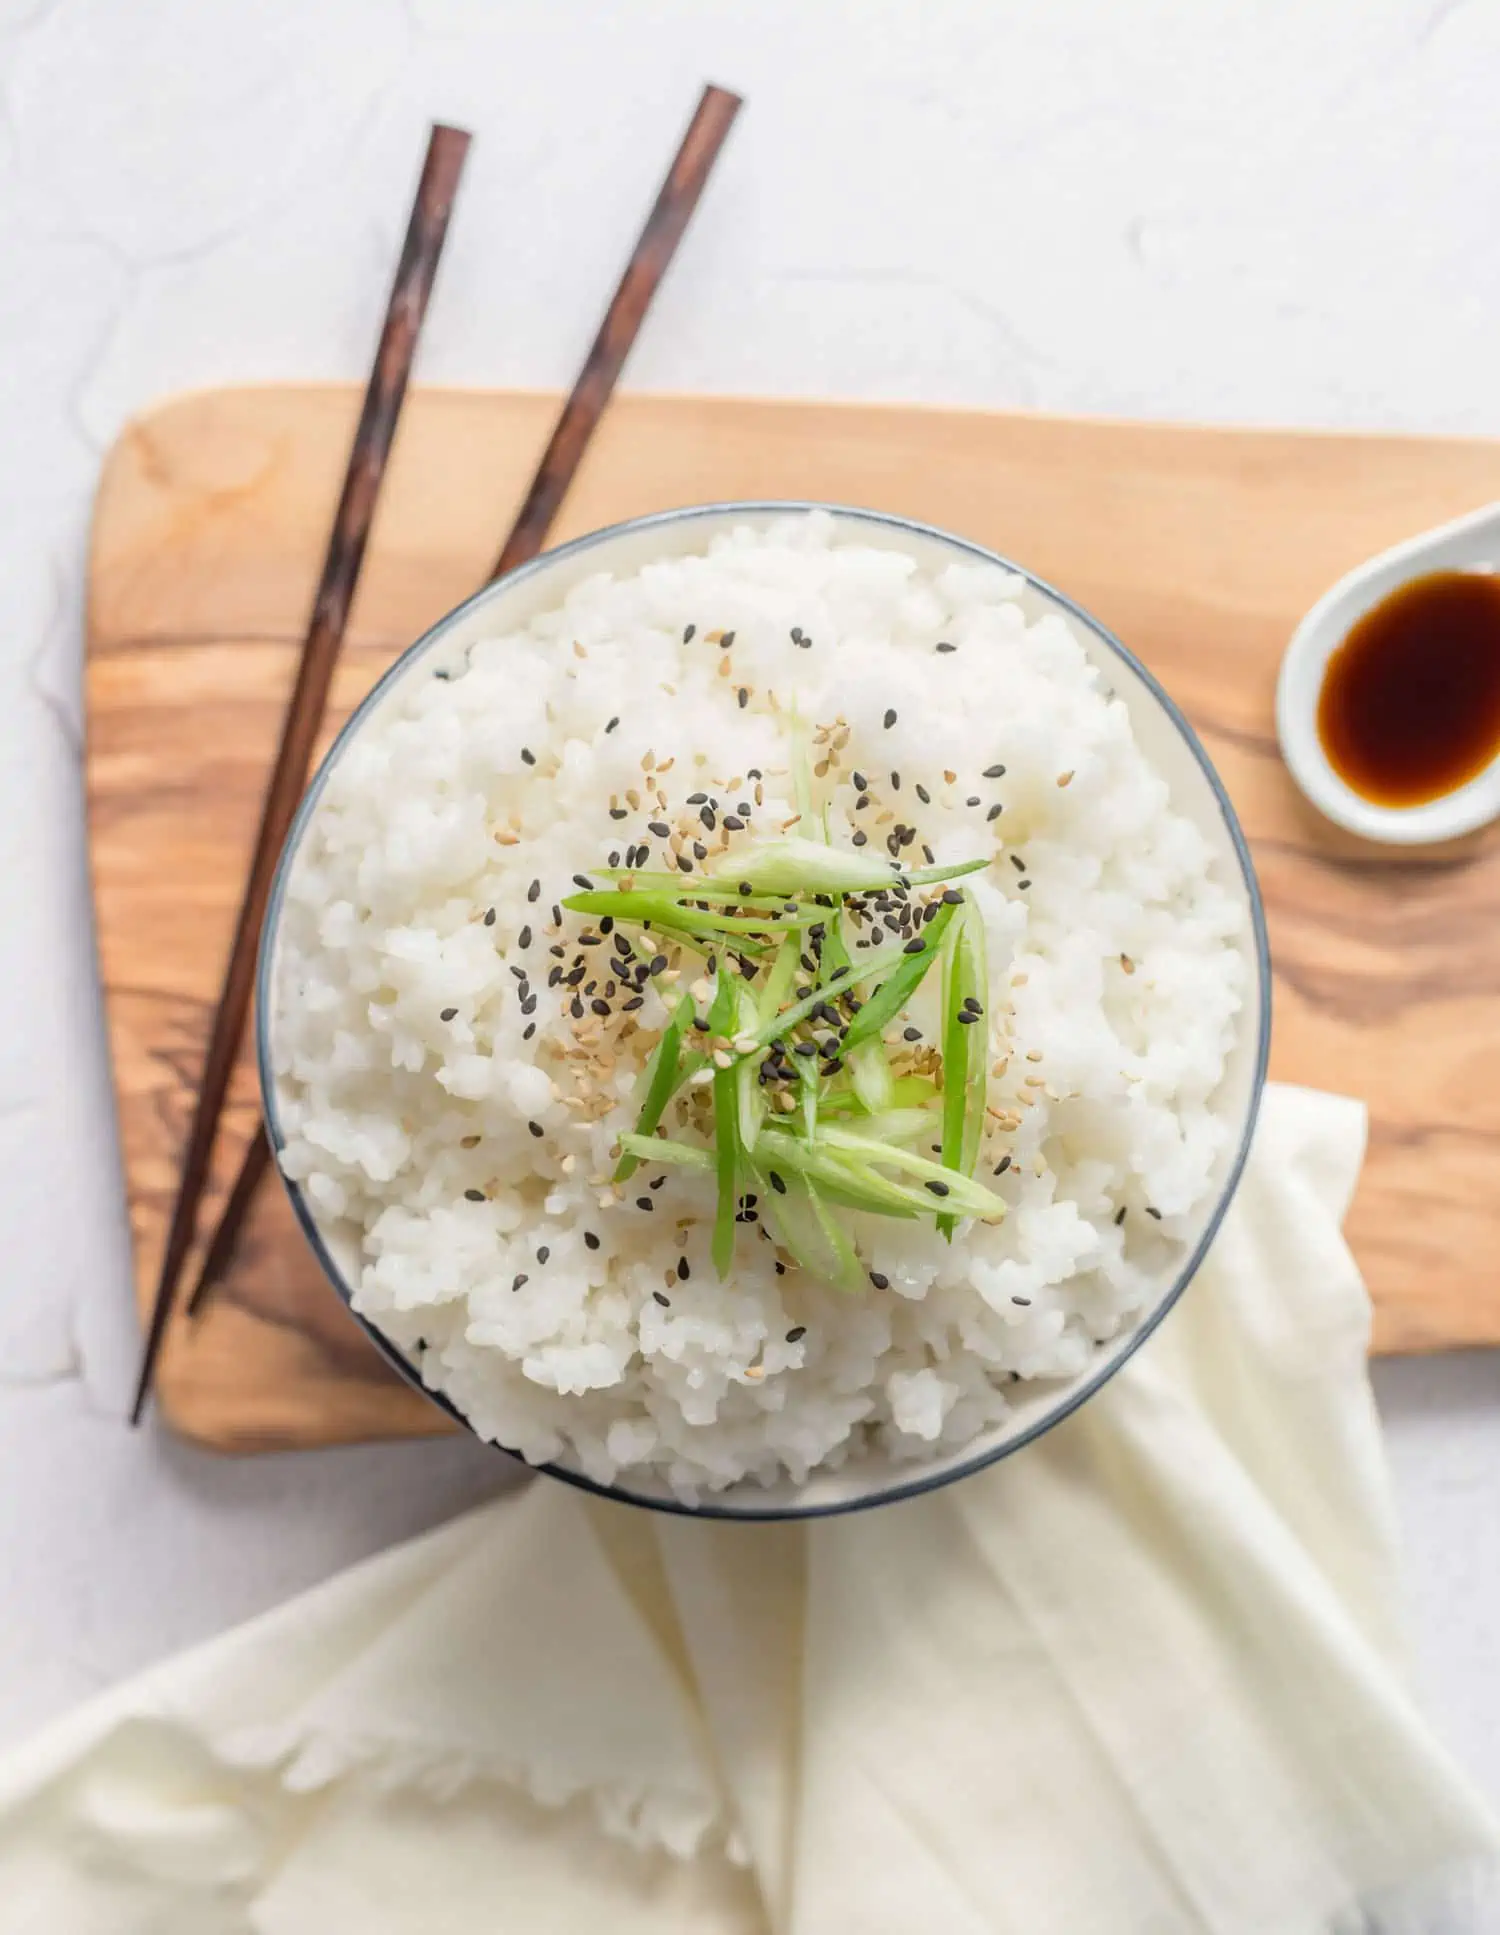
1200	548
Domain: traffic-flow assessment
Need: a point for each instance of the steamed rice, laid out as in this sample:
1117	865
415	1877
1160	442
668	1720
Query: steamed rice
456	1125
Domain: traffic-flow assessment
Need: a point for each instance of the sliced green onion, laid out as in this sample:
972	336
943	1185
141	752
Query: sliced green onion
910	1094
799	866
682	886
930	876
809	1081
963	1193
867	970
846	1164
893	994
750	1096
812	1237
779	981
677	1155
664	1074
870	1072
965	1046
664	911
726	1130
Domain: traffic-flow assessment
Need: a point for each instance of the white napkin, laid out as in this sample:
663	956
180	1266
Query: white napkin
1146	1676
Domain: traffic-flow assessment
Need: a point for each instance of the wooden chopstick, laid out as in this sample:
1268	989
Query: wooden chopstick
415	271
649	261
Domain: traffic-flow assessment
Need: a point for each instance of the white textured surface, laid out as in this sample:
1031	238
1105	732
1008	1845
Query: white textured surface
1277	213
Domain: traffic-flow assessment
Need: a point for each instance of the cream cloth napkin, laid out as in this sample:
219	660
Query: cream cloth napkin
1145	1676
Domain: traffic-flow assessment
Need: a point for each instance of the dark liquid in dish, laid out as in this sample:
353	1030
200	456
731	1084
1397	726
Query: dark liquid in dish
1410	705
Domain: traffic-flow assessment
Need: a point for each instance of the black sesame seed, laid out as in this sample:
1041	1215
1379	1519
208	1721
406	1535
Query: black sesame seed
534	891
683	1272
613	723
994	813
659	828
658	964
776	1182
1153	1212
684	864
880	1280
706	814
860	839
630	1006
700	1024
973	800
938	1188
536	1129
528	1031
915	945
700	852
524	937
1023	1301
556	915
1002	1165
923	795
473	1195
599	1005
890	718
726	641
944	646
528	1004
606	926
966	1017
489	919
859	782
895	782
911	1034
644	1202
528	755
1023	883
542	1254
663	1299
994	772
805	1048
687	636
973	1004
780	1266
520	1279
743	695
696	799
582	880
447	1014
952	896
590	1241
796	1333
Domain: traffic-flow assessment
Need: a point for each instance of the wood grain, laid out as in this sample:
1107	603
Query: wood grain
1199	547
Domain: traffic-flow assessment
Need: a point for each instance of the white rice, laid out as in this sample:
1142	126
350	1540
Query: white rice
1115	988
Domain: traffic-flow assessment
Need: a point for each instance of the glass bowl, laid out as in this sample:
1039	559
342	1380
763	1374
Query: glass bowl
1169	742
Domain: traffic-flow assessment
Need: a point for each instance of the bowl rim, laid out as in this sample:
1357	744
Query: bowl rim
921	1481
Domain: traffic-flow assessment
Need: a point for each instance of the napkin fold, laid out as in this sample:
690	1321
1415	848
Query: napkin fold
1146	1676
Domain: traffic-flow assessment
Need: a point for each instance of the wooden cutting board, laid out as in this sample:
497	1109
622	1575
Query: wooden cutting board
1200	548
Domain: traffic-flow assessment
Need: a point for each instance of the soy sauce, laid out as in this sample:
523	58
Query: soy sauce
1410	705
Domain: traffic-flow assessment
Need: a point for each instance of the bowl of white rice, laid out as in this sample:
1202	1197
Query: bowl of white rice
763	1010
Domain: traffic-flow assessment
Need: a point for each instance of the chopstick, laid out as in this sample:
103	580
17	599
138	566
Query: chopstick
648	263
426	230
576	423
